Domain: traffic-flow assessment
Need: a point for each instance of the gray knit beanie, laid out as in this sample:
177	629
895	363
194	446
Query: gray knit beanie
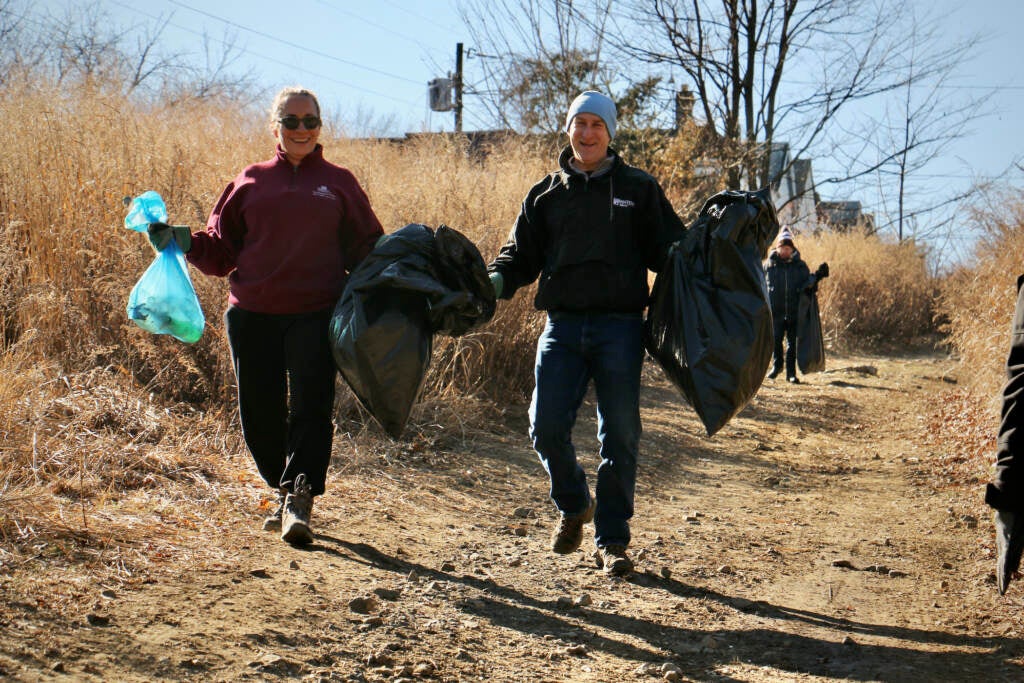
593	102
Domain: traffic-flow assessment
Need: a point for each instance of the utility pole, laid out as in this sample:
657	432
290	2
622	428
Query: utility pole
458	87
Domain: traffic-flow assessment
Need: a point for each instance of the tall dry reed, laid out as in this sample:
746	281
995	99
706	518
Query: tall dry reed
67	263
879	294
96	412
977	299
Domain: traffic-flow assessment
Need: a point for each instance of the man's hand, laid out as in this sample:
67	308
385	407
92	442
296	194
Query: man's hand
1009	546
822	272
498	282
161	234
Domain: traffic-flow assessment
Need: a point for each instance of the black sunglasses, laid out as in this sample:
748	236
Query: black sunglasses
291	122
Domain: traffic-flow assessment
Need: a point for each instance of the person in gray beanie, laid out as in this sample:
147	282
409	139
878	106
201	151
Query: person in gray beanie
589	232
593	102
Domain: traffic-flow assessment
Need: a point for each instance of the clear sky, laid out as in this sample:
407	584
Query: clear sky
370	61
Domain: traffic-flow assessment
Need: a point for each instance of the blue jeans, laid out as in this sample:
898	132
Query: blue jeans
573	349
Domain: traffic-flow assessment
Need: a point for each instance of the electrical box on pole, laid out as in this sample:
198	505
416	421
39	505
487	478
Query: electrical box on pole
439	91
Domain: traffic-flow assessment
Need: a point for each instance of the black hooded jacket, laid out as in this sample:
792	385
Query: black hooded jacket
1007	490
590	239
786	279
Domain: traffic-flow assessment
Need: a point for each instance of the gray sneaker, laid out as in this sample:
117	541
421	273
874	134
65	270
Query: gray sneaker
614	560
272	522
298	506
568	534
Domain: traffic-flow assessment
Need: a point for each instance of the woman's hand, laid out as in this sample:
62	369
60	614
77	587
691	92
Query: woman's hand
161	234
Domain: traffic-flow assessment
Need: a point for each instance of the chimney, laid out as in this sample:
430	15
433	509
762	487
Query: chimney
684	106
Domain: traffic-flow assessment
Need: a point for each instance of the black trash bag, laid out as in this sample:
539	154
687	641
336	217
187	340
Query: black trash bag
461	269
810	342
709	322
409	287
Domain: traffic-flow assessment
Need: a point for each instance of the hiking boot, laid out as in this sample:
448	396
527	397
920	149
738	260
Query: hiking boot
793	379
272	522
614	560
773	374
569	533
298	506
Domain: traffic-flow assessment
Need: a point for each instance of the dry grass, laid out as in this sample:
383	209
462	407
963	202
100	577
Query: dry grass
976	304
116	441
879	295
977	300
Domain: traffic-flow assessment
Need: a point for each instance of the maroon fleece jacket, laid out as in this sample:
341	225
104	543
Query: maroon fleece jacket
287	236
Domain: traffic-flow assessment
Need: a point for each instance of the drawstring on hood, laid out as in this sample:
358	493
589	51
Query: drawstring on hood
611	199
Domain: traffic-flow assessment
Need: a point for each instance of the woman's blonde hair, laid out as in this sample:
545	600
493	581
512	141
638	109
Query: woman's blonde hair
277	108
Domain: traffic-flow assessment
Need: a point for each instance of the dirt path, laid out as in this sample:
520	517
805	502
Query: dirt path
801	543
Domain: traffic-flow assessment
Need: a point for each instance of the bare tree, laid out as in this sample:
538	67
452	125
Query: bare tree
19	50
534	56
922	119
148	62
85	44
82	44
736	53
215	76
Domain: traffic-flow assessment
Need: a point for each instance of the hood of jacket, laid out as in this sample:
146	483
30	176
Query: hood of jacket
776	259
567	174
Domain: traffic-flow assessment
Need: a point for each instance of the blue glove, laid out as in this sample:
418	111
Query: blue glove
161	234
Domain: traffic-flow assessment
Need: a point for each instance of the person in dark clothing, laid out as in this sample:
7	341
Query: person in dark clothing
788	277
286	232
589	231
1006	493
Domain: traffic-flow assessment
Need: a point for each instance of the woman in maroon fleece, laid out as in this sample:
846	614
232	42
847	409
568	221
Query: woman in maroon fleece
286	232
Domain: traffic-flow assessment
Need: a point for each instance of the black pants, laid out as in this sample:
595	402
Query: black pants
1007	490
285	374
784	328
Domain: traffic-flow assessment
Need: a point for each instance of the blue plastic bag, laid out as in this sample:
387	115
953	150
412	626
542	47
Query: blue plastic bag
147	208
163	301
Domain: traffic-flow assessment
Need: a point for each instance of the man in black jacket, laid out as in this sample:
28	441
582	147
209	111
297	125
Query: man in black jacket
589	231
1006	493
788	278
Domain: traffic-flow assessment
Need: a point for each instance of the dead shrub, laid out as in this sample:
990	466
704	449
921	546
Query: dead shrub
977	299
879	294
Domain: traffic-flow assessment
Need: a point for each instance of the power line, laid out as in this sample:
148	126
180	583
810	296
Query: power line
382	27
917	86
414	14
291	44
973	87
262	56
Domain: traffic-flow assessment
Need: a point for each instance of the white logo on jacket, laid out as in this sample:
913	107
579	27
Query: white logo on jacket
626	203
325	192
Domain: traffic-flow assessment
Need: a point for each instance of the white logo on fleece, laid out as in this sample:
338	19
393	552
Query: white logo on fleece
626	203
325	192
